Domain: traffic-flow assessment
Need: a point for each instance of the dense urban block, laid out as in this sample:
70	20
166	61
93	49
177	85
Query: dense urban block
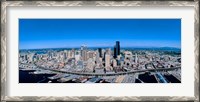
104	65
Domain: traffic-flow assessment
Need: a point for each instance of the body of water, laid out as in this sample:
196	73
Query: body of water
25	77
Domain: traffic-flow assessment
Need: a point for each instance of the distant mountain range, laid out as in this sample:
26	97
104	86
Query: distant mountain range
164	48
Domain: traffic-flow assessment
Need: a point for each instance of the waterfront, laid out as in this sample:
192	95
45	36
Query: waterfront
28	77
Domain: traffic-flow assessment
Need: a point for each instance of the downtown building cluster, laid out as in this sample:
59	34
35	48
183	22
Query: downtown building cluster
107	59
83	58
102	61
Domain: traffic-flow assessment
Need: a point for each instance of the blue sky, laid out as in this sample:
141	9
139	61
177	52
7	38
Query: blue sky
59	33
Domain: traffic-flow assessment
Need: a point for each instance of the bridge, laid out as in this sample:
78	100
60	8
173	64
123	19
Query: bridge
114	74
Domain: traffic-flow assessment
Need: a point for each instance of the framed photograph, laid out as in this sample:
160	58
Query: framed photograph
100	51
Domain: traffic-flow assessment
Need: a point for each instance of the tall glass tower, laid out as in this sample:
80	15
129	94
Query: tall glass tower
117	49
100	52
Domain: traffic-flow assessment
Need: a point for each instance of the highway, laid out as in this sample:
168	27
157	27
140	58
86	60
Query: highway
114	74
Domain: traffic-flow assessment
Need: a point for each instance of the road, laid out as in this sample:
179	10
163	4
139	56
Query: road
115	74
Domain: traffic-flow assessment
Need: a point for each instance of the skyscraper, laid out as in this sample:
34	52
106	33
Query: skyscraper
136	58
77	55
68	54
84	57
114	62
97	57
115	53
73	53
100	52
82	47
117	49
84	53
65	55
107	61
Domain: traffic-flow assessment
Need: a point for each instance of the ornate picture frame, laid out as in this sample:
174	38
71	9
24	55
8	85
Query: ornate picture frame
6	4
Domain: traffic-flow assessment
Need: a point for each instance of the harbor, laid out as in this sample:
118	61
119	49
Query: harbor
36	75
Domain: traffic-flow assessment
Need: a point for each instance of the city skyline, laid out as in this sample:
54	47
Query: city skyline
53	33
101	65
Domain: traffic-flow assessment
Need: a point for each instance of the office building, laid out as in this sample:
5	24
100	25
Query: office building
100	52
117	49
107	61
84	53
